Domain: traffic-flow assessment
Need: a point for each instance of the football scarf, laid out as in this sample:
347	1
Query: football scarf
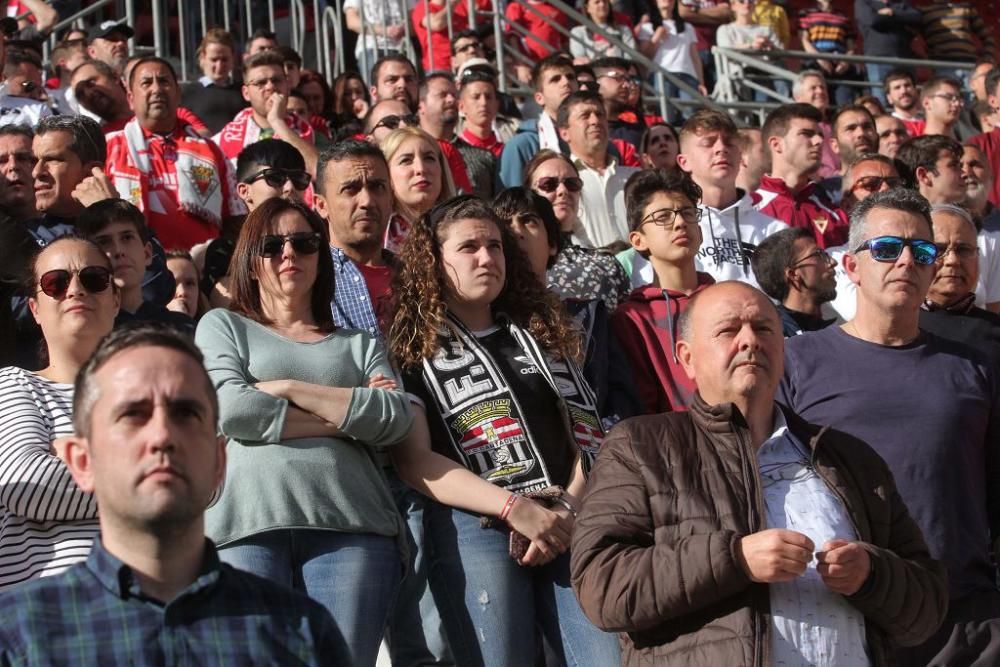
484	418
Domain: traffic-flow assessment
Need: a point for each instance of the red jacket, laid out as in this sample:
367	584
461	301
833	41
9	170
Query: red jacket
989	143
808	208
646	328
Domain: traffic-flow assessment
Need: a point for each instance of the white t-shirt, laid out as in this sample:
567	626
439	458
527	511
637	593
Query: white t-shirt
673	53
378	12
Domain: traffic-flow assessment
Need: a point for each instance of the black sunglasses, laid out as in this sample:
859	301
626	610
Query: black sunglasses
393	121
551	183
303	243
55	283
276	178
889	248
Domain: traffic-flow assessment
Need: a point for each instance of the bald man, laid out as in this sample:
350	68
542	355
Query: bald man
699	525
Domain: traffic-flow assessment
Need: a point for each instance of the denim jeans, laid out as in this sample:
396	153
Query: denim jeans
355	576
491	605
876	75
415	634
674	115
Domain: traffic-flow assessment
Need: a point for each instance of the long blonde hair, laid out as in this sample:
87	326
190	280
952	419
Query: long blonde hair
392	142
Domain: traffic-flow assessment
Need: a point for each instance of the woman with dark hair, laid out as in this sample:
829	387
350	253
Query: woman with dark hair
586	45
317	93
188	298
47	523
304	503
505	430
659	147
673	45
351	100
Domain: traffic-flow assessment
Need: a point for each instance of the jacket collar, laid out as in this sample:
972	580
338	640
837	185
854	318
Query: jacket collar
723	417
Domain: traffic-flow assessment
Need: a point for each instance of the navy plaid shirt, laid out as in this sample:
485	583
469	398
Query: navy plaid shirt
95	614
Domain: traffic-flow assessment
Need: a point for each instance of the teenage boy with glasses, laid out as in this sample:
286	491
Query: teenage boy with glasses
930	407
941	98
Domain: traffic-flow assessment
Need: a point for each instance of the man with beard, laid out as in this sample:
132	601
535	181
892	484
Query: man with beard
438	114
891	135
583	124
854	135
616	84
879	371
394	78
17	193
977	174
942	100
901	93
798	275
147	446
178	179
266	88
793	137
108	42
989	142
99	91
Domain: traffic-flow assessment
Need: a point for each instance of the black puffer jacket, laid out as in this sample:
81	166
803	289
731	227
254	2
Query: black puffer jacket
654	547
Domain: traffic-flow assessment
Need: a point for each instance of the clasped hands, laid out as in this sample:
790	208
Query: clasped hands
777	555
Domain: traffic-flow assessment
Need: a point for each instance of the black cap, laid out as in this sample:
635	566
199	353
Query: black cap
8	25
104	29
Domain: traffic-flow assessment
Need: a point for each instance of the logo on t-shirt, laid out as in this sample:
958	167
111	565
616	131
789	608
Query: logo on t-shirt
494	441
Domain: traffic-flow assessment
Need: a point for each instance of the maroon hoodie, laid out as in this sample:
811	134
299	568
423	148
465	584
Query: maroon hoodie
646	328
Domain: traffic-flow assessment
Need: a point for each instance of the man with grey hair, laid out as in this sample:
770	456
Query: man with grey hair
929	406
153	590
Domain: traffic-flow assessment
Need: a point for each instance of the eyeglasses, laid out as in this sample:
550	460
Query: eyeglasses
303	243
260	83
889	248
550	184
819	253
874	183
963	251
277	178
55	283
623	79
392	122
951	98
666	216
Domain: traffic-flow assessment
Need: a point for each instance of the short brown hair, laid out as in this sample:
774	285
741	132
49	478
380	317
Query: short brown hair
218	36
709	120
780	120
270	57
246	288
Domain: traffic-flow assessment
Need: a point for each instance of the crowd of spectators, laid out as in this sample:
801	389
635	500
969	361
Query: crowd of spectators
403	358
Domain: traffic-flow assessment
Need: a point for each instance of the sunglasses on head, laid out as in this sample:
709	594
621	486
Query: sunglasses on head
276	178
303	243
55	283
889	248
392	122
551	183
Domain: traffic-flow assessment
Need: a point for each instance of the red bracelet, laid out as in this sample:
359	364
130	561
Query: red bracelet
507	506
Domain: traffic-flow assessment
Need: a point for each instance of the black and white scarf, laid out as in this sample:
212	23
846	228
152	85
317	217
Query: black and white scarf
484	419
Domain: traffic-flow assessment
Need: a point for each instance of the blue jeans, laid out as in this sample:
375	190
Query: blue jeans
355	576
415	634
491	605
675	115
876	75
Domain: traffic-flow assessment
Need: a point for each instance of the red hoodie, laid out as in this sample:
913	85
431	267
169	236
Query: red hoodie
646	328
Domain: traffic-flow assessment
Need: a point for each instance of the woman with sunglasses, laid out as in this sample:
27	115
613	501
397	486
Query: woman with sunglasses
577	272
586	45
488	356
47	523
304	502
420	179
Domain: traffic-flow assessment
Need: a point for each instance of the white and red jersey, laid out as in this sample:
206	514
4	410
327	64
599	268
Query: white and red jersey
181	182
243	130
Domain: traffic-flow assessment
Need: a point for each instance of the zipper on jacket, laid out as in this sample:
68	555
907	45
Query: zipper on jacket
811	465
756	504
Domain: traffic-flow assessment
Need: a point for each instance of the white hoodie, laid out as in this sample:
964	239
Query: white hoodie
723	232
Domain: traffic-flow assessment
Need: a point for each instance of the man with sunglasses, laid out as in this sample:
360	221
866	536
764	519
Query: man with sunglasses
266	88
929	406
15	109
798	275
271	169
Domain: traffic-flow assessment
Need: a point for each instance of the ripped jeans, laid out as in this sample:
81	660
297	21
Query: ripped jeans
491	605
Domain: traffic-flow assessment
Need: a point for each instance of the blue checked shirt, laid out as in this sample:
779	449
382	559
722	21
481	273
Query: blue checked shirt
95	614
352	304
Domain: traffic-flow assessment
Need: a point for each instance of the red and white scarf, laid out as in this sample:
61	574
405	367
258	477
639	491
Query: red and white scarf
243	130
198	178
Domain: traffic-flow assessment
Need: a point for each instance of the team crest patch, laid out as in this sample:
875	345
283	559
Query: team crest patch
586	431
821	224
493	441
204	180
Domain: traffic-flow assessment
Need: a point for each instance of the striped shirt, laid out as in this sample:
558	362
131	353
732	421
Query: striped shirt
829	32
46	522
950	29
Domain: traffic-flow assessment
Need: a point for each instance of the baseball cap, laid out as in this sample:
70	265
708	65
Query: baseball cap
105	28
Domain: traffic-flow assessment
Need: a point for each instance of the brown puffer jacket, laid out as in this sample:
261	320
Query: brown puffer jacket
654	546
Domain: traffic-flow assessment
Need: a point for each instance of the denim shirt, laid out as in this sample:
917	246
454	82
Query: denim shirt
810	624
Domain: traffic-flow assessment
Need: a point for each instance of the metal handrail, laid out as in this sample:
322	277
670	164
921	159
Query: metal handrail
880	60
331	69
